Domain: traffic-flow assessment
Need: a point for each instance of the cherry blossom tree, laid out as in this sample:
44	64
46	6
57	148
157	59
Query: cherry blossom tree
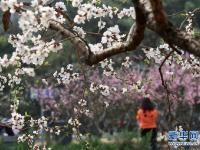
176	61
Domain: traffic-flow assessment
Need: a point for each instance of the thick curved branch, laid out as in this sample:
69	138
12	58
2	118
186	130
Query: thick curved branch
171	35
134	38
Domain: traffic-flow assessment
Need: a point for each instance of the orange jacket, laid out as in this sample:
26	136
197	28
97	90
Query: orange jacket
147	119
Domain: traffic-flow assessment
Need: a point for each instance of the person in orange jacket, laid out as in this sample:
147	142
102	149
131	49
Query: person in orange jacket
147	119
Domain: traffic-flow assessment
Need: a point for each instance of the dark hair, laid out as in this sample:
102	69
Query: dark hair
147	105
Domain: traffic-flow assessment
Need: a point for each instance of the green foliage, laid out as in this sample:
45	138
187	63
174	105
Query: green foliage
13	146
146	61
3	41
127	140
189	5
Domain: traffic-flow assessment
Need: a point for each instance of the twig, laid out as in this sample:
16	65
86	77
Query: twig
193	12
162	79
94	33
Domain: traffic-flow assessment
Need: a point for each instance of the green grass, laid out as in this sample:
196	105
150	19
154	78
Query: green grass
124	140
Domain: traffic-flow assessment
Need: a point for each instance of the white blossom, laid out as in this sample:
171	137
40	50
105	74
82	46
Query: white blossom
127	63
112	36
61	6
127	12
17	121
79	31
124	90
101	24
76	3
96	48
65	76
93	87
104	89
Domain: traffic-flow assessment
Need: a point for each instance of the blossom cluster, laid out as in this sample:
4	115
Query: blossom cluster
101	24
30	140
82	108
156	54
96	48
17	121
127	63
65	76
30	47
189	27
3	81
87	11
75	123
15	79
30	25
187	61
112	36
130	12
79	31
37	125
107	65
104	89
61	6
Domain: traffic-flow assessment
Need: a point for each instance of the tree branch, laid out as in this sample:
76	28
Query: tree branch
168	32
134	38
